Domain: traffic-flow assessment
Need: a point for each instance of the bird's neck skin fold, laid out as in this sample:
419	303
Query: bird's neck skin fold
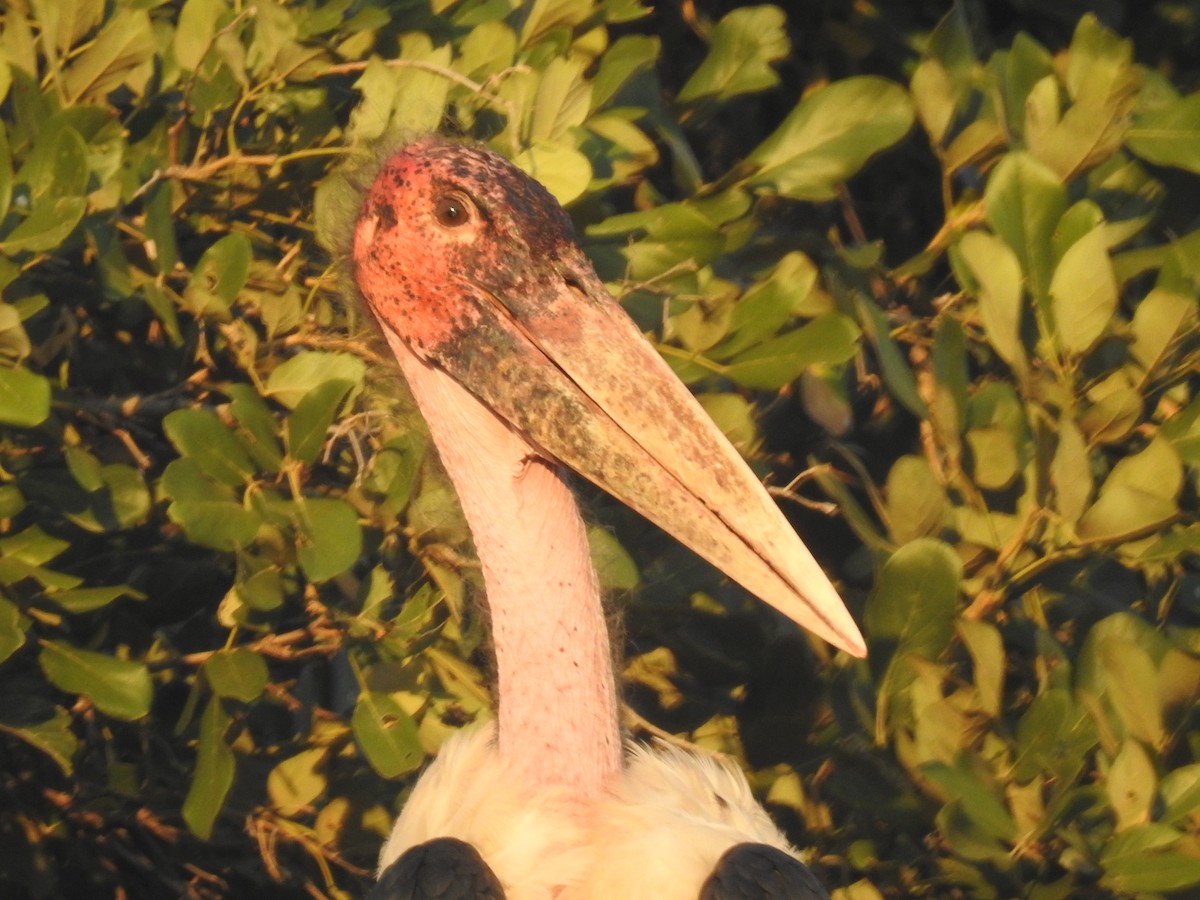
548	626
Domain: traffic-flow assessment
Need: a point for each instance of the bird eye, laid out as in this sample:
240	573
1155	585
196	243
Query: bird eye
452	210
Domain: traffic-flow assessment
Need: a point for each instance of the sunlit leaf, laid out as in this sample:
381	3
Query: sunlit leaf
119	55
916	500
24	397
298	780
387	734
292	379
1169	135
201	437
910	612
564	171
120	688
1139	493
1083	292
1024	202
998	272
328	537
830	135
743	45
213	776
12	635
829	339
310	420
239	674
896	373
45	727
1131	785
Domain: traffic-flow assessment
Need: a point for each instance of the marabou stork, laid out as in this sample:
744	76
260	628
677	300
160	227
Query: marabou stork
522	363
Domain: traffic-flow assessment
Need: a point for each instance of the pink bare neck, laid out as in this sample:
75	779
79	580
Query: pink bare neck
548	626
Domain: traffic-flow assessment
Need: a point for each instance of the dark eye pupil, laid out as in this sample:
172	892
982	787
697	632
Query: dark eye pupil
451	211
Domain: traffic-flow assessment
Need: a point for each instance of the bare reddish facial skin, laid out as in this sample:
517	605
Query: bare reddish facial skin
424	279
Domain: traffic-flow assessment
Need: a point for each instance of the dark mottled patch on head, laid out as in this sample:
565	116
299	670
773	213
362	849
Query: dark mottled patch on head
386	215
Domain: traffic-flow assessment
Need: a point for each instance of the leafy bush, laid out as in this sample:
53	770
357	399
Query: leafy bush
234	587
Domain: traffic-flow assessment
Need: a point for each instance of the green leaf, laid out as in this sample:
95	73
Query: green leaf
45	727
328	537
828	339
6	173
1024	202
402	99
299	780
910	613
933	97
986	646
1169	135
12	635
46	227
256	426
735	417
209	512
116	498
896	373
1180	791
997	270
1116	405
1016	72
119	688
995	463
563	170
213	775
58	164
195	30
1131	685
561	102
674	234
628	55
219	452
1160	318
218	277
1182	431
238	674
24	397
615	568
916	500
830	135
121	54
743	46
310	420
1054	738
1071	472
1132	785
1139	494
789	290
85	600
291	380
1141	860
969	783
1083	292
387	734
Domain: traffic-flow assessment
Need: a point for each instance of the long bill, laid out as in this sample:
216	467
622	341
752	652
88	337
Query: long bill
573	375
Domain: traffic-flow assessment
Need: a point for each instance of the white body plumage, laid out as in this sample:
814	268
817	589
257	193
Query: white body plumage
655	835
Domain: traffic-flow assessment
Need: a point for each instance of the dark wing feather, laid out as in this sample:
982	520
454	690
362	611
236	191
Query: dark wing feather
761	872
441	869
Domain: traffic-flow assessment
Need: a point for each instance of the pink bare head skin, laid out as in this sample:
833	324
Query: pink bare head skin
474	268
444	224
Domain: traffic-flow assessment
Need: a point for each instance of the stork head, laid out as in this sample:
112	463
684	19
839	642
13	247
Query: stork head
474	268
445	224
